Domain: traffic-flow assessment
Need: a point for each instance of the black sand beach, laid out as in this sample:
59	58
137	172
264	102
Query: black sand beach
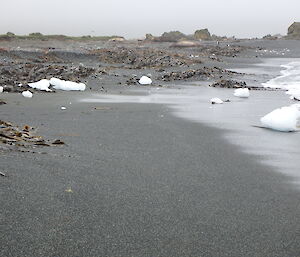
134	180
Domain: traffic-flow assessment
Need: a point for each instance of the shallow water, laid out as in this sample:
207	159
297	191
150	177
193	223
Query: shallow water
237	118
289	77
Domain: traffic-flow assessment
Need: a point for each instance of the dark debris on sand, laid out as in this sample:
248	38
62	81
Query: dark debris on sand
13	137
229	84
14	73
199	74
97	65
139	58
228	51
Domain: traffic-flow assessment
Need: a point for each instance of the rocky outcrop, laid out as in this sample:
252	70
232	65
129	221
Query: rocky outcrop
149	37
294	31
202	34
172	36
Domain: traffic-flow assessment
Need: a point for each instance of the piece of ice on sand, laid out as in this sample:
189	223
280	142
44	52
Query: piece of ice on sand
242	92
41	85
144	80
216	100
67	85
282	119
27	94
1	89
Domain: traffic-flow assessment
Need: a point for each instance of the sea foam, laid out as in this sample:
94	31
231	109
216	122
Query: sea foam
289	78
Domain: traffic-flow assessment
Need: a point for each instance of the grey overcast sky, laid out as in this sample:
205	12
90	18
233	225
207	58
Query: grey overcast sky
135	18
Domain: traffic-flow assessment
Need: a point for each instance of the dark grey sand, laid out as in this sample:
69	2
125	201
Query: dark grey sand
142	185
134	180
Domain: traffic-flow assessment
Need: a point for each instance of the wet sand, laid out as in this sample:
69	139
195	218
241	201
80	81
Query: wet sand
134	180
239	119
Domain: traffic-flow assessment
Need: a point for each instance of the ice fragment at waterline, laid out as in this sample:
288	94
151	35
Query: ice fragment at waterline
27	94
216	100
294	93
242	92
41	85
1	89
144	80
67	85
44	85
283	119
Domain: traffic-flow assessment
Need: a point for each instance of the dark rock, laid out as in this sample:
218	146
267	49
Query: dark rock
202	34
229	84
172	36
134	80
294	31
149	37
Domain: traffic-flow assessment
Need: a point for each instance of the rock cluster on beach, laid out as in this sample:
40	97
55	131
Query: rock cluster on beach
14	74
110	63
229	84
138	58
15	71
228	50
197	74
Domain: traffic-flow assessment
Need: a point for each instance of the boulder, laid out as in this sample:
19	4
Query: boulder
202	34
149	37
294	31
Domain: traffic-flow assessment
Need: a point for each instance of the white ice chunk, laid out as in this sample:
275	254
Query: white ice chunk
242	92
1	89
63	108
294	93
282	119
41	85
27	94
216	100
144	80
67	85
